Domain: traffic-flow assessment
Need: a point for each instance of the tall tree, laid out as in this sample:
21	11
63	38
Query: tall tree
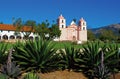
32	24
42	29
18	24
54	31
90	35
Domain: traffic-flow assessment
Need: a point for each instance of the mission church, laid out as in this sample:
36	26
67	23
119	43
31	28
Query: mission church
72	32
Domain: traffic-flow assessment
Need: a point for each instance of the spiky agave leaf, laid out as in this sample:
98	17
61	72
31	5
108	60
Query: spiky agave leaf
3	52
12	72
70	57
91	57
31	75
37	55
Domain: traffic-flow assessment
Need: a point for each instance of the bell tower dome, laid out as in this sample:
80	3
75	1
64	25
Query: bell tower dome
61	22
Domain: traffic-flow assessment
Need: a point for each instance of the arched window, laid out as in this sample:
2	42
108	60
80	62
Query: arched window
18	37
5	37
83	28
62	26
36	38
31	38
62	21
12	37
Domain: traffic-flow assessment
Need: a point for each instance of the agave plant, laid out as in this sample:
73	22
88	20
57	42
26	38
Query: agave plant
3	52
91	58
99	59
36	55
10	69
3	76
31	76
112	58
70	58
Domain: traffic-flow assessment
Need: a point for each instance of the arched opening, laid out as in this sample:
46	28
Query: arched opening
12	37
31	38
5	37
74	38
25	37
83	28
36	38
18	37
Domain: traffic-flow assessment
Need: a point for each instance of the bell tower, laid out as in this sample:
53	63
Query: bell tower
61	22
82	24
82	30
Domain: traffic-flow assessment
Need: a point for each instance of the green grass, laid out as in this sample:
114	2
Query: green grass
9	45
60	45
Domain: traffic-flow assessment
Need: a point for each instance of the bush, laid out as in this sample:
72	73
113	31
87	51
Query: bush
31	76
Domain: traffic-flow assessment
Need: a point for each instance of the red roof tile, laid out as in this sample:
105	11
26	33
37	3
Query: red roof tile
14	28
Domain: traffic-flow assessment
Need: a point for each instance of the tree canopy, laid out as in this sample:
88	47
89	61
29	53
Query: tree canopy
90	35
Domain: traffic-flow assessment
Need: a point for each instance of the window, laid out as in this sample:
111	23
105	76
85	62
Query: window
83	28
83	23
62	26
62	21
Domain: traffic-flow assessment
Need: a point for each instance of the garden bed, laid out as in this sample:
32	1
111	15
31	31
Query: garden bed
67	75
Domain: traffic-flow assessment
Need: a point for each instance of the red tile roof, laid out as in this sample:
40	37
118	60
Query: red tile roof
14	28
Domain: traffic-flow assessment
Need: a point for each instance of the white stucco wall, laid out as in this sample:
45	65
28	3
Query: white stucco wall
83	35
12	33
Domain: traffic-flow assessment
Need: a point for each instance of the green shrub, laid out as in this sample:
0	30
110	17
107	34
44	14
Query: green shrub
2	76
36	55
3	52
31	76
70	58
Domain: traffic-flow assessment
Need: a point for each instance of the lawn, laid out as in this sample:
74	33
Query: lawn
61	45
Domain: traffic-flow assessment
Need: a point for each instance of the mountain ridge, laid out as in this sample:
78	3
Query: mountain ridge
114	27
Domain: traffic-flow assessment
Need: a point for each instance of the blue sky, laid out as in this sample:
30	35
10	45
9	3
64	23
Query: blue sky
96	12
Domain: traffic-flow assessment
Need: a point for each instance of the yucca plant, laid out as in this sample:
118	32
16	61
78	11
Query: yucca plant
36	55
31	75
70	58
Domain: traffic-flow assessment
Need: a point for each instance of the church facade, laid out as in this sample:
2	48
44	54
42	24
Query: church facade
72	32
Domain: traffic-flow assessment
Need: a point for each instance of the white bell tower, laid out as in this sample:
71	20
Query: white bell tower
61	22
82	24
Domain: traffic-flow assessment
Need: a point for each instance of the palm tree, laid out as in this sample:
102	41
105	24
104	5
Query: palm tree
36	55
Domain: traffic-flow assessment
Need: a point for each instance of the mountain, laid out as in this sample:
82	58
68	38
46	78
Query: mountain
114	27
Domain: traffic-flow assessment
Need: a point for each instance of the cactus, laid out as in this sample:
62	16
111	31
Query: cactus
31	76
